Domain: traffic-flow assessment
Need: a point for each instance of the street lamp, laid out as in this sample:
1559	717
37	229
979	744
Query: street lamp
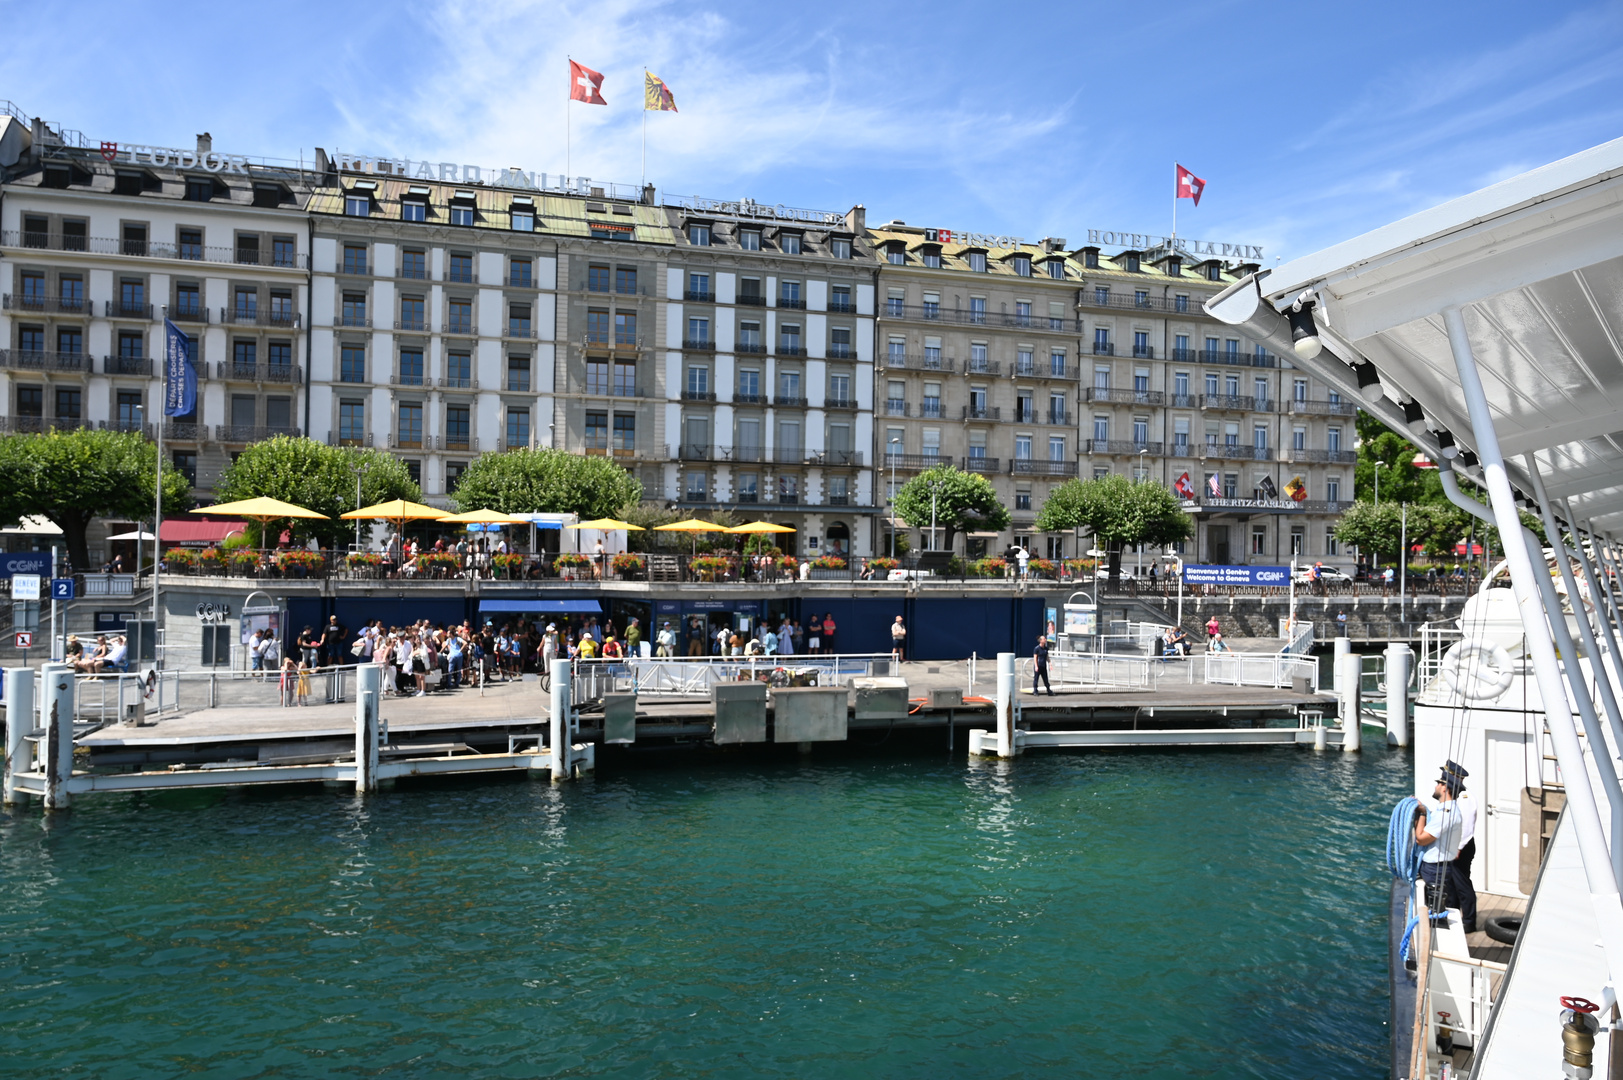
892	499
360	471
1379	465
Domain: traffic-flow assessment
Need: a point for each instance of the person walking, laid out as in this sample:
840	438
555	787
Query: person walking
898	640
1212	627
1039	666
1024	558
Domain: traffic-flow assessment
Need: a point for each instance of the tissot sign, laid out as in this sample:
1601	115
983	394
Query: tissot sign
971	239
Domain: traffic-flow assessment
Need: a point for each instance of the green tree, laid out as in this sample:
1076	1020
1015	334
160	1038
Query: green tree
963	500
1117	511
650	514
546	482
73	477
317	477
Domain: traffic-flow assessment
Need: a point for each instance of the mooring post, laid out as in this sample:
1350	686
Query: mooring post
1007	687
1347	678
1397	693
368	684
19	722
1343	648
58	723
558	729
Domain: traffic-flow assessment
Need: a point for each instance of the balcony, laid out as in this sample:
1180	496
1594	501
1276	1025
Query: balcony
128	426
180	313
98	245
38	424
182	431
126	365
918	362
914	462
458	382
1182	448
519	330
696	296
982	412
930	408
462	275
840	351
789	348
1319	457
1181	401
839	500
30	360
410	441
1321	408
746	454
456	444
692	344
126	309
270	373
357	321
842	307
1025	416
698	395
1143	352
1036	370
1122	302
749	399
519	281
407	378
1228	359
750	348
1184	356
1059	418
1104	348
788	401
840	403
57	305
1033	467
750	300
1104	395
794	305
354	438
1230	402
695	451
1237	452
788	498
983	367
1126	447
789	455
248	433
981	464
1324	506
897	407
838	459
254	316
459	326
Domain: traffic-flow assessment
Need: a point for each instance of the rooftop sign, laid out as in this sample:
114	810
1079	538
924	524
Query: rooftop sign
754	211
449	172
1140	241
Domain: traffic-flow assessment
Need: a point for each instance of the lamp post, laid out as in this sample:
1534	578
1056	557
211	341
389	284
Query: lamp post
892	499
360	471
1379	465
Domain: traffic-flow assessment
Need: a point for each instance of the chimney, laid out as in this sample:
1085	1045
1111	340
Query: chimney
856	219
205	144
648	194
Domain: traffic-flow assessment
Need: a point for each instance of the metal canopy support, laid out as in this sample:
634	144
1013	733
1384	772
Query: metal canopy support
1604	613
1581	803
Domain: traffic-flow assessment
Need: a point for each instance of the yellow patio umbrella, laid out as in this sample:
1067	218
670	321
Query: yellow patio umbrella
608	525
398	511
262	509
694	526
483	517
760	527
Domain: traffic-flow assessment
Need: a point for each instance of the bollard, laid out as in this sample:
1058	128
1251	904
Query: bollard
558	728
19	722
368	685
1006	690
57	718
1398	658
1320	737
1352	729
1343	647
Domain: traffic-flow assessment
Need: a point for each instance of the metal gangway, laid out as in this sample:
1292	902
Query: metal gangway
693	676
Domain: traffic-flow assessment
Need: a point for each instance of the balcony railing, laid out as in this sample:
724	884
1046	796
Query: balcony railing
126	309
1181	401
1234	402
697	296
785	302
839	500
1104	348
458	444
30	360
1181	448
786	348
1237	452
789	401
749	399
839	351
750	348
410	441
695	451
128	426
983	367
839	459
458	382
1120	301
845	307
520	330
126	365
187	313
256	316
1122	446
1059	418
1033	467
839	403
1320	457
514	282
698	395
416	324
459	326
918	362
1143	352
747	454
36	424
789	455
184	431
936	314
750	300
914	462
354	438
358	321
695	344
246	433
982	412
897	407
461	276
272	373
981	464
1324	506
930	408
1322	408
407	378
151	249
61	305
1104	395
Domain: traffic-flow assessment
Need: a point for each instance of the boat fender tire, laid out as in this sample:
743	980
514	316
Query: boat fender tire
1503	928
1478	670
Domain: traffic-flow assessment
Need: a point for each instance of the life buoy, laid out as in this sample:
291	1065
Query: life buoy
1478	670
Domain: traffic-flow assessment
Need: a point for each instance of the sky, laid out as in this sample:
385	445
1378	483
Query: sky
1310	123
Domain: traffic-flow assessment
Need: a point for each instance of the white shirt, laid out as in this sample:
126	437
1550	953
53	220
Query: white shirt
1443	822
1467	808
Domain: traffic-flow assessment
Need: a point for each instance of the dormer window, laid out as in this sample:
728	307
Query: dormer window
1022	265
931	257
201	189
839	247
789	243
1214	272
1129	261
699	235
1056	268
977	261
522	214
749	239
462	208
896	254
1090	258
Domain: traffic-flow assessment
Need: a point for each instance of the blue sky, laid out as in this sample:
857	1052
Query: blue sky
1310	123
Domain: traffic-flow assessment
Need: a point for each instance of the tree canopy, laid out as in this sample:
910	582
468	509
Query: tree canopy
317	477
546	481
72	477
963	500
1117	511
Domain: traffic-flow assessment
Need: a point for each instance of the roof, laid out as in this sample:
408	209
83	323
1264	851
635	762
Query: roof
184	531
999	261
555	215
1535	263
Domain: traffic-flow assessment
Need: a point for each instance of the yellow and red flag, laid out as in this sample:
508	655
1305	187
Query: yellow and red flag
656	96
1296	489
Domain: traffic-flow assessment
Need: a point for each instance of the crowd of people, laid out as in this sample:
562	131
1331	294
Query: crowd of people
782	636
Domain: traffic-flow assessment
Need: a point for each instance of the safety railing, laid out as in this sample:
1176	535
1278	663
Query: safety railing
694	676
1260	669
1435	639
118	697
1299	637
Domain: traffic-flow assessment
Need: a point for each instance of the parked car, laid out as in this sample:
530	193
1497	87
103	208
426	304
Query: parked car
1330	575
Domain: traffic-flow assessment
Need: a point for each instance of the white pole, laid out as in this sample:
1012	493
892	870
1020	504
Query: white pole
1403	559
19	722
57	720
645	128
1582	806
1347	688
1343	648
1597	594
558	725
368	684
51	645
1006	691
1290	615
1398	658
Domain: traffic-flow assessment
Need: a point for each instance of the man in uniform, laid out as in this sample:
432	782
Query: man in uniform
1437	831
1459	871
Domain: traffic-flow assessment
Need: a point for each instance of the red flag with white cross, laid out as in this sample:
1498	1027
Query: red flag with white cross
585	84
1189	185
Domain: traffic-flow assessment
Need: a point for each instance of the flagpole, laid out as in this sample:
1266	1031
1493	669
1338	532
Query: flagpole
568	167
644	127
157	509
1174	206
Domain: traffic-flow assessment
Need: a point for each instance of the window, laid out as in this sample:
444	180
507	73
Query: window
69	340
839	298
1299	390
462	213
1298	437
523	219
749	239
1056	409
1260	390
839	345
897	255
1022	312
1211	384
1180	347
411	313
597	279
459	370
131	345
1332	440
749	292
1298	540
202	190
977	356
625	435
930	442
789	340
1331	547
413	210
414	264
840	248
279	414
789	386
1022	448
789	295
1180	302
244	354
33	290
188	300
132	297
625	328
1231	349
625	280
1211	349
1129	262
1101	376
461	317
1056	448
699	287
1141	344
69	403
932	398
354	205
30	401
789	243
410	430
518	320
1101	429
1259	437
977	261
461	269
749	337
411	367
71	290
1141	380
839	388
243	410
699	235
1214	272
1141	430
977	310
280	357
932	305
1023	364
1180	435
1141	298
1180	384
518	374
247	307
1056	363
1101	295
351	423
518	428
625	379
519	273
1022	265
354	259
1025	409
1101	341
1332	489
457	427
697	486
352	364
749	385
1231	434
597	431
1231	486
698	331
1022	499
698	381
129	410
1259	540
1056	268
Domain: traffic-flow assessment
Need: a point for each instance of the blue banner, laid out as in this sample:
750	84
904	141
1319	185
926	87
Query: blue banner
25	562
1278	577
180	378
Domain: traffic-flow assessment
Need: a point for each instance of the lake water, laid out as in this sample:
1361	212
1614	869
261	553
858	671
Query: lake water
1204	913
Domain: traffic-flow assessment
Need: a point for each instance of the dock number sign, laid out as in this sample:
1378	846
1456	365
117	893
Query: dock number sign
25	639
1278	577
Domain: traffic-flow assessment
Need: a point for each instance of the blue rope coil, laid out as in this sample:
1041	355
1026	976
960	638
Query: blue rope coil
1403	856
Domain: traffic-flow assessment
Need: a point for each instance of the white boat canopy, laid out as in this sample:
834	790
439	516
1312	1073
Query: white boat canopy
1536	265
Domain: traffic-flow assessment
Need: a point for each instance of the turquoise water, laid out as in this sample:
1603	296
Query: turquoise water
1208	913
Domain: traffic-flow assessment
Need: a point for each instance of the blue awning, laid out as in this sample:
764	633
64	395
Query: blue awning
541	607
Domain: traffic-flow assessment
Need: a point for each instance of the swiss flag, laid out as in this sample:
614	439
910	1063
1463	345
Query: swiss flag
585	84
1184	488
1189	185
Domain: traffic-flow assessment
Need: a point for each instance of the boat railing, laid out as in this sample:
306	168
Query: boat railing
1436	638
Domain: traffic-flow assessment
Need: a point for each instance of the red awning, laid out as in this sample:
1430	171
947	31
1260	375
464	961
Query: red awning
182	531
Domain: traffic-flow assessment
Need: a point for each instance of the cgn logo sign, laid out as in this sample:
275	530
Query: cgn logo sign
1274	576
25	562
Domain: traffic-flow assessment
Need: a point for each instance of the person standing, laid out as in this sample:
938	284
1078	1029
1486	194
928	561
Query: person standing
898	640
1039	666
1212	627
634	638
814	635
665	641
1024	558
1437	831
1459	871
828	633
256	651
